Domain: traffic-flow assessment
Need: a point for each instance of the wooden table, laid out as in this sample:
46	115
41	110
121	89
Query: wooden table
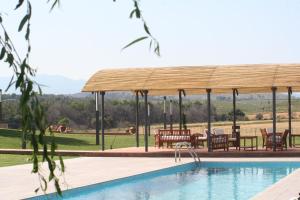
252	145
294	140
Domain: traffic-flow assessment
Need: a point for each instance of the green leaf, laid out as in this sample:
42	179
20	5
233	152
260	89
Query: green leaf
135	41
150	45
8	45
137	13
27	32
19	4
36	190
157	50
2	54
56	2
146	29
19	80
44	187
57	187
137	9
132	13
62	165
6	36
23	21
29	9
10	59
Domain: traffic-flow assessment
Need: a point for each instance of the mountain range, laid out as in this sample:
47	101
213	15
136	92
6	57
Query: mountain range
51	84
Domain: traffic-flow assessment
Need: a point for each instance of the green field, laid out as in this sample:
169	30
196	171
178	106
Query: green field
255	106
11	139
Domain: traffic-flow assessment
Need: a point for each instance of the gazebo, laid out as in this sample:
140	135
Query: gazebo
161	81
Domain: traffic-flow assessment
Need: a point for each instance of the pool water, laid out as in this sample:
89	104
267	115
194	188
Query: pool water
208	180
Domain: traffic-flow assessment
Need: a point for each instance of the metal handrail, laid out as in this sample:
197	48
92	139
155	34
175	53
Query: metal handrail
191	151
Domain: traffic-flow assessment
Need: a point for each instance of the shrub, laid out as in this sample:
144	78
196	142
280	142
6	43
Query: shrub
259	116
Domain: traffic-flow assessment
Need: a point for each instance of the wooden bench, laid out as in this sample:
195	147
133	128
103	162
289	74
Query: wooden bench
219	142
172	136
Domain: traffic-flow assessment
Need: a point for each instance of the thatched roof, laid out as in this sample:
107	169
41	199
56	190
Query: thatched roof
251	78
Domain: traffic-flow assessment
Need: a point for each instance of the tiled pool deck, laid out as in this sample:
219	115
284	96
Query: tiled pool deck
17	182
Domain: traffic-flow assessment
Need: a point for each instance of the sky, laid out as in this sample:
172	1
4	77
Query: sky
81	37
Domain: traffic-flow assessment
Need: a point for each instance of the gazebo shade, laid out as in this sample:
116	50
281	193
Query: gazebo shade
252	78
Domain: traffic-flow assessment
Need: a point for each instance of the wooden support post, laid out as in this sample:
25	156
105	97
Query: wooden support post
234	132
97	117
274	117
137	118
234	108
180	110
102	120
165	114
208	91
149	119
290	114
171	115
146	119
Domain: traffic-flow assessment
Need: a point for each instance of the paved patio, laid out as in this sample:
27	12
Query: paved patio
17	182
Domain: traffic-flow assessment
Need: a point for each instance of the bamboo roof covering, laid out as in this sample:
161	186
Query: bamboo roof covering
251	78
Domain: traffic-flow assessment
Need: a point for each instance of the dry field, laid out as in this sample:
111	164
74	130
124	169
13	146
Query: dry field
247	127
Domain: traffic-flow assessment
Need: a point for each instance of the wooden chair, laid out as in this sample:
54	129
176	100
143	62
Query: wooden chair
219	140
280	139
264	136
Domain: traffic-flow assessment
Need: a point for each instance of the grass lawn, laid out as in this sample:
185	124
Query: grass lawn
8	159
11	139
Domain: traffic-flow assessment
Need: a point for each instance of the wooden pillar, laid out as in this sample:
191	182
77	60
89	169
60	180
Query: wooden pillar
180	109
290	114
97	117
171	115
208	91
146	119
274	116
234	108
137	118
102	120
165	114
149	119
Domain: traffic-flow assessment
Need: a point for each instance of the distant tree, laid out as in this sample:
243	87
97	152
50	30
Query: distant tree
259	116
64	121
240	115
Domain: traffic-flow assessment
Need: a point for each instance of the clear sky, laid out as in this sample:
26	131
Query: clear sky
82	37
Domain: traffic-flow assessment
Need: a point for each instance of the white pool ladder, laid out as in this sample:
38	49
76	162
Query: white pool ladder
192	152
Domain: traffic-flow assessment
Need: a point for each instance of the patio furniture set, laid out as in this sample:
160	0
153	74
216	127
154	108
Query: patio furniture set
220	140
280	138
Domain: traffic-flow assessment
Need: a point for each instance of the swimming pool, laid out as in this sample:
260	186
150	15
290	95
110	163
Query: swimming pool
208	180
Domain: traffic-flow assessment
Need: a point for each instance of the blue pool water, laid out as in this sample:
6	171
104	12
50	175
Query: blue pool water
209	180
